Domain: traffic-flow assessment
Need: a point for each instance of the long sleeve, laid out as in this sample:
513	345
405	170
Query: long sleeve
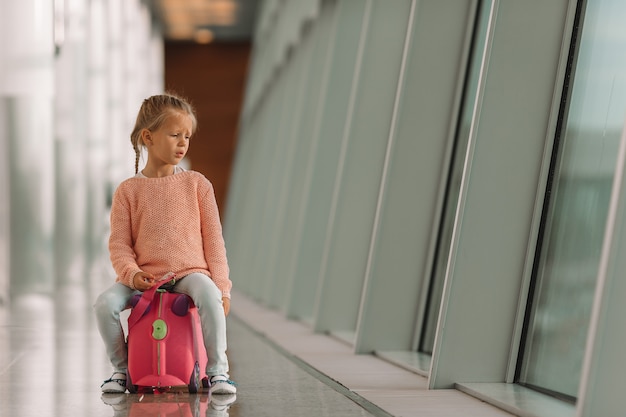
123	257
213	242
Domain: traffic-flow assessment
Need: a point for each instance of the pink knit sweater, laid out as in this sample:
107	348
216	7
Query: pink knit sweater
168	224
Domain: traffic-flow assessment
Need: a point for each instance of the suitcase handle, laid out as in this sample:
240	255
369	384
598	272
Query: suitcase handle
146	298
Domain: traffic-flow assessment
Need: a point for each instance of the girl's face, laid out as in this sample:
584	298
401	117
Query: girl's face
169	143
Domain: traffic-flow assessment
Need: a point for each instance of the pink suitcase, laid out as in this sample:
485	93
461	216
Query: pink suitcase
165	345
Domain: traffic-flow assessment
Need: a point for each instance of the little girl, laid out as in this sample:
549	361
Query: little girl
166	219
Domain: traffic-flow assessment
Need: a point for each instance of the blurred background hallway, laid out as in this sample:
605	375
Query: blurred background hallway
423	201
72	76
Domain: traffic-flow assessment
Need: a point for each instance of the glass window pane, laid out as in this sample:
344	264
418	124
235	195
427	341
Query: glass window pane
454	181
574	226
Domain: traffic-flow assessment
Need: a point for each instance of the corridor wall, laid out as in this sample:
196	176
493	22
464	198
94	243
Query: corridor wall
397	165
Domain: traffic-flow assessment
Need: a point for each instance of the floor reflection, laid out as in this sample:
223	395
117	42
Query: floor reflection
52	362
169	404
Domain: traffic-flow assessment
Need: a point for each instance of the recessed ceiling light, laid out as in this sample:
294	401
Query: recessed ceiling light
203	36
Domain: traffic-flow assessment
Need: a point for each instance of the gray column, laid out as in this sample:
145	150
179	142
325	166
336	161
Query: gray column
97	134
4	210
418	157
121	157
26	88
70	132
358	179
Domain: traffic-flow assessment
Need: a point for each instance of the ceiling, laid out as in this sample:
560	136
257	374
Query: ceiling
206	21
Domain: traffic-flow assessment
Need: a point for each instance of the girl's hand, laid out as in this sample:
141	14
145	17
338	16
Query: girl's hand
143	281
226	303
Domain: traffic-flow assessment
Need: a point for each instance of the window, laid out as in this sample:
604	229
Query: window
575	215
444	239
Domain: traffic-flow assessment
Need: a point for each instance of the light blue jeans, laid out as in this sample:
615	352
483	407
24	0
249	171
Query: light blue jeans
205	295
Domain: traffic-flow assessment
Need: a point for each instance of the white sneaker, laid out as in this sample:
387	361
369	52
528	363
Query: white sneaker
220	384
115	384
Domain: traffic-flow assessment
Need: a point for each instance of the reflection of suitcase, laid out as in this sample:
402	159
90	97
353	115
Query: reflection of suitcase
165	345
171	404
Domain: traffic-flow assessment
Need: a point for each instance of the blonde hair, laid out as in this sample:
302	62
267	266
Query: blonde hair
153	112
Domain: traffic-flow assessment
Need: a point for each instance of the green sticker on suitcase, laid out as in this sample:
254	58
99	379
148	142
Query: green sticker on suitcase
159	329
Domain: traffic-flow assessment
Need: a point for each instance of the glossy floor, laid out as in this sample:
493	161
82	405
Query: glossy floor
52	363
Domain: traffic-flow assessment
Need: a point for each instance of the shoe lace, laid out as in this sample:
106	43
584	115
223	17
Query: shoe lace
227	381
120	381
